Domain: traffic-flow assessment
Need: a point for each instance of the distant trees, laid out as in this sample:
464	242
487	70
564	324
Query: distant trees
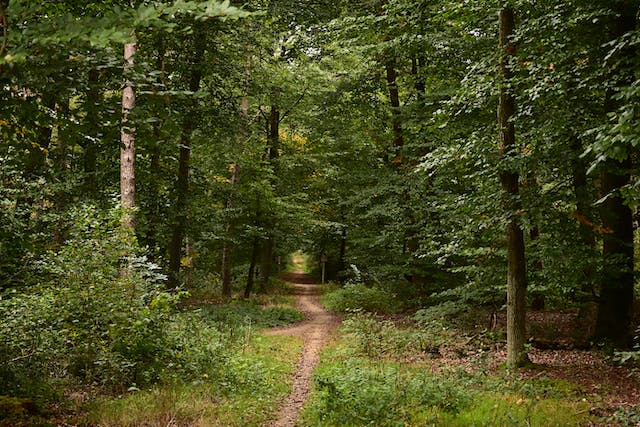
368	134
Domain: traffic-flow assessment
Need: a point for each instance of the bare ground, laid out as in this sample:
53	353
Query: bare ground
315	331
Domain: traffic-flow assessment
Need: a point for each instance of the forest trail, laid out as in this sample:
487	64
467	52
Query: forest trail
315	332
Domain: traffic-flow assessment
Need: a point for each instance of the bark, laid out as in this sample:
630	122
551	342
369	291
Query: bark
583	214
419	81
62	165
615	308
227	247
343	250
90	149
394	97
273	136
155	165
517	274
616	289
127	149
182	185
266	262
4	26
37	158
255	250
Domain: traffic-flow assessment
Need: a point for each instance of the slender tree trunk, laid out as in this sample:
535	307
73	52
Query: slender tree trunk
155	164
266	262
343	250
127	137
227	246
583	214
255	250
517	274
62	166
182	186
4	27
266	259
396	121
615	308
90	149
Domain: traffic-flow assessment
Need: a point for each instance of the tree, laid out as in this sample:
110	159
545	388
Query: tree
517	275
127	150
616	290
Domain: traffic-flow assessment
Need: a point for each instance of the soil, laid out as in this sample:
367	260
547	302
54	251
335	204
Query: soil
316	331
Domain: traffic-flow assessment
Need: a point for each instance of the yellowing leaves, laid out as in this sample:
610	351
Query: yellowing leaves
297	141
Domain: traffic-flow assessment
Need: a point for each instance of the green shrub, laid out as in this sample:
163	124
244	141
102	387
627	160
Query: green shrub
100	316
375	337
357	296
353	394
250	313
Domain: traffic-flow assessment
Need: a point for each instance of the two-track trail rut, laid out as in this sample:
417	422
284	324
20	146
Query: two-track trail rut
315	332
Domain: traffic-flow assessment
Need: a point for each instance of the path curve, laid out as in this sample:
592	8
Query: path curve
315	332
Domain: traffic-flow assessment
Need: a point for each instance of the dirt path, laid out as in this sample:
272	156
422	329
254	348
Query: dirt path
315	332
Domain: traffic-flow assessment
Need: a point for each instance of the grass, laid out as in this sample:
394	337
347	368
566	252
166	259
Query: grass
354	387
204	403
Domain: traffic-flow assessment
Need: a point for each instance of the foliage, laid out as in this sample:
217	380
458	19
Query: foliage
384	395
101	326
625	417
87	318
357	296
264	366
378	338
251	314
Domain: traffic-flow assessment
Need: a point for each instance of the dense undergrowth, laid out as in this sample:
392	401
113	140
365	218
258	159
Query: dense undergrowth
96	321
377	378
405	370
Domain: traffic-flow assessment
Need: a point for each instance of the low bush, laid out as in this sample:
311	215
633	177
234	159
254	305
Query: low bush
376	338
357	296
251	314
102	317
383	395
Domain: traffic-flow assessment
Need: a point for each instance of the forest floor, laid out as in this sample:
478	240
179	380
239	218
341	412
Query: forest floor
315	331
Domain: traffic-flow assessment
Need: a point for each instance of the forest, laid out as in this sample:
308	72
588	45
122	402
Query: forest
319	213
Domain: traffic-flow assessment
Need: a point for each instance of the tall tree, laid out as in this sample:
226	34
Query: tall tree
182	184
616	289
516	275
127	138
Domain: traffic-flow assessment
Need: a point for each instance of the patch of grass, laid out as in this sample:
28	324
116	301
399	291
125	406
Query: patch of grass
356	389
266	368
359	297
495	409
375	337
251	313
381	394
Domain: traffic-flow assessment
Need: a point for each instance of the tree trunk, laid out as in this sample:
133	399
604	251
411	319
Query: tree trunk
155	165
227	246
615	308
127	137
616	289
4	26
584	216
255	250
62	166
90	149
273	137
396	120
343	251
182	185
517	271
266	263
